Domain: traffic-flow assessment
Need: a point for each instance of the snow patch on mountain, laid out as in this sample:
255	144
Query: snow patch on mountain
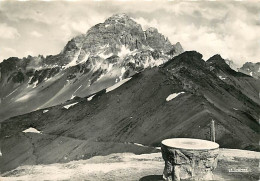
101	76
117	85
44	111
146	64
105	56
172	96
70	105
123	70
124	51
74	60
110	66
221	77
35	84
91	97
158	62
31	130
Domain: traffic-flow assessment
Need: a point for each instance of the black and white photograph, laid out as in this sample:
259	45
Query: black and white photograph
128	90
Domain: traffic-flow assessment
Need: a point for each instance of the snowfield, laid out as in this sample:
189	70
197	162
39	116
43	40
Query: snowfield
172	96
35	84
31	130
221	77
74	60
124	51
91	97
44	111
70	105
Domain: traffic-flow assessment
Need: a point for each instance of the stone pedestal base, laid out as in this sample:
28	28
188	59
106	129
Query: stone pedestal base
194	164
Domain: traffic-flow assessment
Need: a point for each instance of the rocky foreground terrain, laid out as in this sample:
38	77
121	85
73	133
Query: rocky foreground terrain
128	166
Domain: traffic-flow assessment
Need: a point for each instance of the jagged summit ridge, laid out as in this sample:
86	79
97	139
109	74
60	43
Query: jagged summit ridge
216	59
116	33
219	64
119	18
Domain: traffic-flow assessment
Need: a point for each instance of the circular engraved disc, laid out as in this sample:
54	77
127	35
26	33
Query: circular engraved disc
190	144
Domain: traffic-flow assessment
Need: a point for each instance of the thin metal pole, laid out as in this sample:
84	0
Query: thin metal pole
213	138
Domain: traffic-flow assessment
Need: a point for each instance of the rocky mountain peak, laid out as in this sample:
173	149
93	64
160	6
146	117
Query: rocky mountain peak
252	69
216	59
190	59
118	17
157	41
118	35
152	30
220	66
120	20
218	62
178	45
176	49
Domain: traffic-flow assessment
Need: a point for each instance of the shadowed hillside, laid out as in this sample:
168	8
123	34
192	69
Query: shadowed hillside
178	99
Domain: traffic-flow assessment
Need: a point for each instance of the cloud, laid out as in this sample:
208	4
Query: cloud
36	34
29	52
9	50
71	29
227	28
146	23
1	58
8	32
6	51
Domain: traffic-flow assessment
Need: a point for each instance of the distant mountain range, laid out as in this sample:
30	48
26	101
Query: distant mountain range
121	89
106	54
252	69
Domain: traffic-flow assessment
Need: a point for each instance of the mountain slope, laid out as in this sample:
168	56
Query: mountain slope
252	69
106	54
249	86
178	99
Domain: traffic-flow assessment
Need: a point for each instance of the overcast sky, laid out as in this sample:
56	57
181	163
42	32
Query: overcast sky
231	29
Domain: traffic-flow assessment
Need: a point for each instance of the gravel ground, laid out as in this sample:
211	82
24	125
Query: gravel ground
232	165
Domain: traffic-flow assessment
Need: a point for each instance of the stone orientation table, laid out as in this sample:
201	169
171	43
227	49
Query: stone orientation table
191	159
